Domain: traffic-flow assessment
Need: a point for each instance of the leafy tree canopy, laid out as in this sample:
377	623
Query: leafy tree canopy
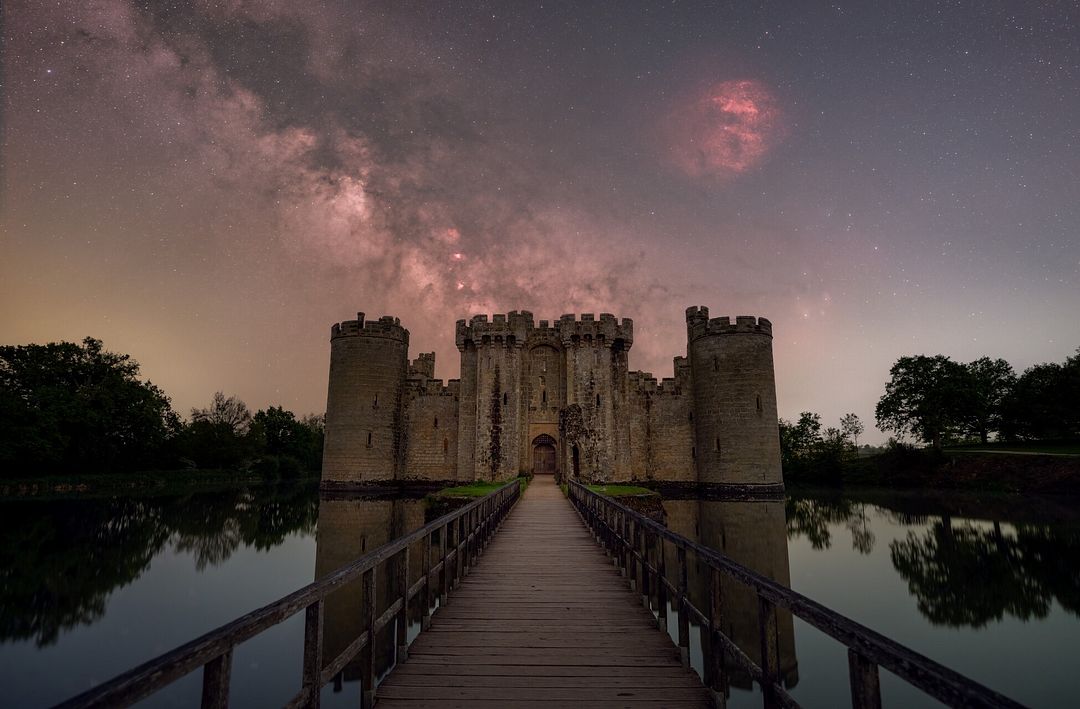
925	397
69	406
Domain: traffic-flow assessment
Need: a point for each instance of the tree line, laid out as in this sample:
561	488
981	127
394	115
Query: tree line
78	408
937	400
809	452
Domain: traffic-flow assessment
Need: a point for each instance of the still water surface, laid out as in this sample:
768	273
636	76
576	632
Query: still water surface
989	586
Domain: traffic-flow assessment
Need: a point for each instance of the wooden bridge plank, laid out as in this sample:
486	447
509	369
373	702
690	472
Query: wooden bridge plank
542	620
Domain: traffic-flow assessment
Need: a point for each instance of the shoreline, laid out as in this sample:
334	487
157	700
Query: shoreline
91	485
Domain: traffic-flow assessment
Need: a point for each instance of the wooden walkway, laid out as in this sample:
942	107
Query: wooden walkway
543	620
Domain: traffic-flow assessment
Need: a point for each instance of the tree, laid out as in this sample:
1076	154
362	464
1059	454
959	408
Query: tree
925	397
851	427
1044	402
217	436
71	407
297	444
989	382
231	413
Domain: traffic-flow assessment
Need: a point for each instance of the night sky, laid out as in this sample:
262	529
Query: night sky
209	185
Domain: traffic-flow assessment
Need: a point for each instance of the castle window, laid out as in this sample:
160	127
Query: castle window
691	417
363	544
369	439
759	403
716	364
375	402
445	446
506	399
693	453
543	396
597	401
718	444
436	422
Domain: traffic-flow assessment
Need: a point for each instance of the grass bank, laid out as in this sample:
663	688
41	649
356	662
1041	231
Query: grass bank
622	490
1045	469
480	488
1067	448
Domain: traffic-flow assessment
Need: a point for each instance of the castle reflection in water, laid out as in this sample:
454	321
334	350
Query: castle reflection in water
752	533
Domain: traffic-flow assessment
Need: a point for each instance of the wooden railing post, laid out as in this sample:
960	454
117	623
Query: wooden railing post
643	538
628	552
459	547
215	686
313	652
402	630
770	661
865	683
367	655
683	613
714	651
635	549
427	595
444	542
661	584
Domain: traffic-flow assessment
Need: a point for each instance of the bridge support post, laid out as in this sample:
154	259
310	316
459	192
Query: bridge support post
661	584
313	651
714	652
770	660
646	592
683	615
402	629
865	683
428	594
367	655
444	542
215	688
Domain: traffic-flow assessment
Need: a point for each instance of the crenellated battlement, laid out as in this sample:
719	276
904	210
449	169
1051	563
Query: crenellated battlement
434	387
509	328
386	327
567	330
423	365
646	383
608	329
699	324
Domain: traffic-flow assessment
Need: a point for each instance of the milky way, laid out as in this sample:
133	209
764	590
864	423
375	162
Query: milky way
209	185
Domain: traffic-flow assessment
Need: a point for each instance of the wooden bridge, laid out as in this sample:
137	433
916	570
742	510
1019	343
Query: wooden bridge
544	619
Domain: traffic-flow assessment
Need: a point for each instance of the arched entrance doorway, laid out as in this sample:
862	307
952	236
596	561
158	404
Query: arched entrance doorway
543	455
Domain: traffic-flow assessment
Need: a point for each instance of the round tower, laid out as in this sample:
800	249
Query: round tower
369	363
736	437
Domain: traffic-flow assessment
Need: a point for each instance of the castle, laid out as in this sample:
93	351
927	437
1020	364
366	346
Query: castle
553	398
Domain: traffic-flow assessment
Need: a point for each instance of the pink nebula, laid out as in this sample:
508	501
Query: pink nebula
726	130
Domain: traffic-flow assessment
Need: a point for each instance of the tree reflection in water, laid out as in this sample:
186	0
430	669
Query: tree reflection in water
962	572
60	559
965	574
811	518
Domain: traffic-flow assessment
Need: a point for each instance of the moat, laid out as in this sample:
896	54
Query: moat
965	580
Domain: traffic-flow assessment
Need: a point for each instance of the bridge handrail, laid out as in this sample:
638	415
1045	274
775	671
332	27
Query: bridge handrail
213	650
630	535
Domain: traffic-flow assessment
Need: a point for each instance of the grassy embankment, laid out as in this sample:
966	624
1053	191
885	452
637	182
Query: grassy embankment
622	490
1069	448
480	488
1048	467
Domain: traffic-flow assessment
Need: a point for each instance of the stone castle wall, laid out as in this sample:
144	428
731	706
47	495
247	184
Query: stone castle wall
431	415
526	387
